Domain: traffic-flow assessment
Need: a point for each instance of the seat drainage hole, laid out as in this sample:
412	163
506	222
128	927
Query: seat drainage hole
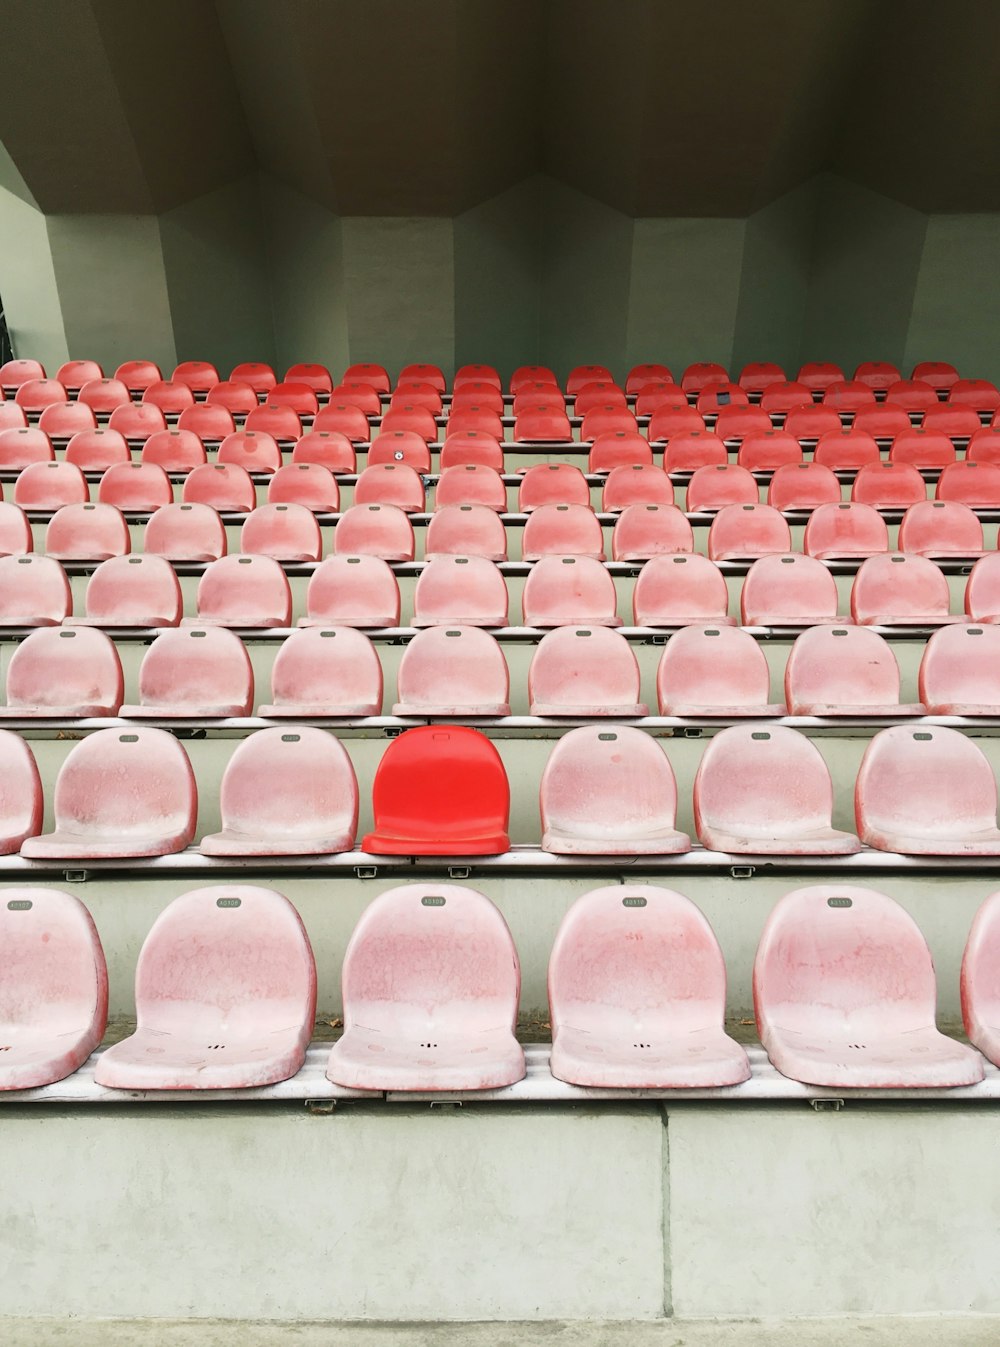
642	1045
857	1045
5	1047
214	1047
428	1045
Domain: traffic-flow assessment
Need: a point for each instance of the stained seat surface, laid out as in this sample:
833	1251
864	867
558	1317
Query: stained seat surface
64	673
453	671
980	980
708	671
960	671
584	671
325	671
194	673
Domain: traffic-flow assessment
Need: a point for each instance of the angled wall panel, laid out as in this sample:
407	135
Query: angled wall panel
28	287
958	295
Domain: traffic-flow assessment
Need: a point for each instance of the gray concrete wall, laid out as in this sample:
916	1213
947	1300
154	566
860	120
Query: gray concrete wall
28	283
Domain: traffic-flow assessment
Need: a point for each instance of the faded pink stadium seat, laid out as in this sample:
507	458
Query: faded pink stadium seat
224	486
12	417
680	591
21	802
293	396
369	374
954	419
325	671
15	531
812	422
87	533
120	794
316	377
693	449
644	531
407	416
984	446
845	995
243	591
64	673
375	531
281	423
104	395
708	671
62	420
137	375
253	450
431	983
17	372
471	448
979	394
893	486
400	446
208	421
980	982
471	484
20	446
562	590
884	421
461	592
636	484
937	373
545	422
475	419
641	375
194	674
526	374
637	994
672	419
736	423
766	792
34	592
845	531
922	448
818	375
133	591
286	792
390	484
960	671
552	484
170	396
739	531
721	484
607	418
759	375
232	395
900	590
982	592
609	792
53	987
199	375
971	483
344	418
98	450
37	394
225	995
701	373
468	531
913	395
185	532
584	671
135	486
48	486
284	532
454	672
308	484
927	792
877	374
718	395
475	373
138	421
803	486
843	671
782	398
770	450
618	449
941	528
581	375
848	395
328	449
174	451
352	591
788	591
562	530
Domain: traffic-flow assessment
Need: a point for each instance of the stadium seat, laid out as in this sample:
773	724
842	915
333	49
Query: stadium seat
185	532
892	486
454	672
937	373
552	484
736	423
440	791
564	531
782	398
475	396
847	451
843	671
286	792
132	591
637	994
644	531
698	375
232	395
178	451
600	394
199	375
584	671
325	671
62	420
357	393
471	484
667	596
474	374
953	419
87	533
690	450
98	450
911	395
971	483
546	422
308	484
768	451
845	996
818	375
243	591
12	417
474	419
224	486
49	486
316	377
458	591
607	418
467	531
102	396
284	532
720	484
979	394
431	983
670	420
900	590
352	591
641	375
343	418
17	372
979	982
194	673
877	374
326	448
137	375
375	531
960	671
120	794
747	531
922	448
281	423
561	591
208	421
581	375
138	421
720	395
390	484
293	396
34	591
63	674
884	421
37	394
526	374
135	486
619	449
253	450
400	446
708	671
927	792
20	446
848	395
845	531
53	987
407	416
759	375
803	486
534	395
789	591
982	591
811	422
15	531
225	995
637	484
984	446
170	396
424	373
369	374
941	528
766	792
21	806
471	448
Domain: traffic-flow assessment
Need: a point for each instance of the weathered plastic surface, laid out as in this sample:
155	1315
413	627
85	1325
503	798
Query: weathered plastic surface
562	590
843	671
545	422
637	994
552	484
174	450
980	980
977	393
584	671
210	422
87	533
972	483
291	394
431	985
453	671
466	417
581	375
644	531
225	995
133	591
224	486
721	484
636	484
460	592
286	792
678	591
98	450
939	528
708	671
848	395
328	448
927	792
104	395
766	790
913	395
62	420
789	590
34	592
137	421
238	393
185	532
390	484
923	448
746	531
199	375
194	673
352	591
244	591
308	484
135	486
120	793
325	671
15	531
64	672
49	486
641	375
471	484
736	422
702	373
618	448
440	791
960	671
670	418
53	987
314	376
466	530
399	446
768	451
901	590
938	373
375	531
844	532
369	374
888	485
690	450
982	591
803	486
35	394
408	416
21	802
17	372
609	792
471	449
563	531
285	532
527	374
845	995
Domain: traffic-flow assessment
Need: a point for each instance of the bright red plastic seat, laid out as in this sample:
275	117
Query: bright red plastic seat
49	486
34	592
636	484
584	671
104	395
877	374
15	531
552	484
980	982
563	590
425	373
194	673
352	591
375	531
37	394
701	373
468	531
845	531
344	418
884	421
709	671
208	421
843	671
770	450
979	394
475	420
87	533
784	397
63	420
669	420
253	450
286	792
400	446
199	375
789	590
17	372
971	483
461	592
619	449
455	672
316	377
170	396
20	446
325	671
644	531
282	423
244	591
63	673
736	423
927	792
818	375
954	419
225	995
296	397
893	486
98	450
941	528
138	421
475	396
678	591
984	446
803	486
471	484
937	373
327	448
135	486
912	395
900	590
120	794
284	532
581	375
758	375
174	451
720	395
133	591
564	531
845	996
185	532
545	423
641	375
137	375
526	374
469	448
474	374
766	792
960	671
720	484
690	450
390	484
357	393
922	448
308	484
417	420
848	395
811	421
224	486
369	374
600	394
235	396
746	531
607	418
